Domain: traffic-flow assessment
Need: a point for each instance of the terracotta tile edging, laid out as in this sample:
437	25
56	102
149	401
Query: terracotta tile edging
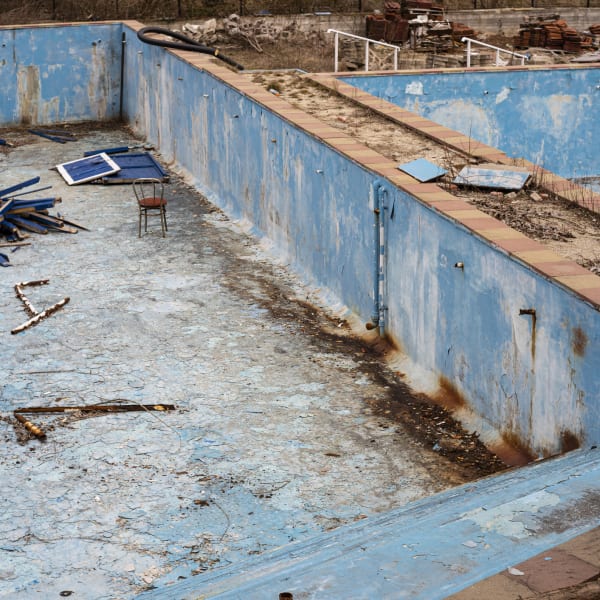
567	273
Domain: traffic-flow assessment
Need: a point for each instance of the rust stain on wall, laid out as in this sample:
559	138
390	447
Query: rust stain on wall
448	395
569	441
580	341
28	89
512	450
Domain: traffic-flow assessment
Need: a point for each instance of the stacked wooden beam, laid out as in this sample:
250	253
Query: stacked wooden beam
18	215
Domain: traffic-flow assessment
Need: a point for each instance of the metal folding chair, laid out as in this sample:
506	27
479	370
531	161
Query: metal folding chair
150	196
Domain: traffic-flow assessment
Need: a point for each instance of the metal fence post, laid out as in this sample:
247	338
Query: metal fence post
336	53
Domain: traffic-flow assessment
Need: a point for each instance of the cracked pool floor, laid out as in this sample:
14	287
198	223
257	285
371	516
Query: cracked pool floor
272	439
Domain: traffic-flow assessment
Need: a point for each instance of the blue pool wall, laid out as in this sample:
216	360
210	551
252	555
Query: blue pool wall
537	383
550	117
56	74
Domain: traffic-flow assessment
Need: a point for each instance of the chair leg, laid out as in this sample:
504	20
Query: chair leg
140	225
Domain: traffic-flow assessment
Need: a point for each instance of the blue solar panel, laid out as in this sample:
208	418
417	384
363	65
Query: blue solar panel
135	165
493	176
422	170
87	169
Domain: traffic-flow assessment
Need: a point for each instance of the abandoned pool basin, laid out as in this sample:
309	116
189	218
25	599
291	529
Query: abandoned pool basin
483	319
323	201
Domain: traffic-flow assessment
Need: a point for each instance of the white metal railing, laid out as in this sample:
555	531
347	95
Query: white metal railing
367	44
499	63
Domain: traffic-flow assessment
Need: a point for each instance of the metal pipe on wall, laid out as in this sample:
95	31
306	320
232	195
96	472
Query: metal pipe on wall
379	207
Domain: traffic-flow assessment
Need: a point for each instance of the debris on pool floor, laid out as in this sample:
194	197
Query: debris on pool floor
284	424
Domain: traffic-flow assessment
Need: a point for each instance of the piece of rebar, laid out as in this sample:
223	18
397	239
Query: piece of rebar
34	429
73	223
41	316
97	408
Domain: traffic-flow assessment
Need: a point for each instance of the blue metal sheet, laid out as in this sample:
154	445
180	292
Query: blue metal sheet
87	169
492	177
117	150
422	169
134	166
19	186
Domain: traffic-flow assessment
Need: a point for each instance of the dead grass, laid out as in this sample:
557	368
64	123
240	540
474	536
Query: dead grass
312	56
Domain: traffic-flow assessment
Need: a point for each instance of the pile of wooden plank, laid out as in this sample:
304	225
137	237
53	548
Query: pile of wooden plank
19	216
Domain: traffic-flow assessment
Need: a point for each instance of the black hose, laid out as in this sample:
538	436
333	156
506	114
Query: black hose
185	43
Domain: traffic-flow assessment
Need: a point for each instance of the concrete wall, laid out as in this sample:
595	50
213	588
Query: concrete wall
534	381
549	117
462	328
58	74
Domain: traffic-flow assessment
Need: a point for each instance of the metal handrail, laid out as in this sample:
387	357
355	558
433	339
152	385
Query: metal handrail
470	41
367	42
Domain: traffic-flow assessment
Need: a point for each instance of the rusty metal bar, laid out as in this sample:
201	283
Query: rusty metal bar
97	408
107	408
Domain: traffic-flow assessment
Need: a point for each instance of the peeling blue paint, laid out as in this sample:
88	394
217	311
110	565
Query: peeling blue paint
60	73
429	550
440	316
314	206
547	116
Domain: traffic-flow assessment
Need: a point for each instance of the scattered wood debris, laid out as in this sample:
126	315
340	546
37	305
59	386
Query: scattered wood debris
29	308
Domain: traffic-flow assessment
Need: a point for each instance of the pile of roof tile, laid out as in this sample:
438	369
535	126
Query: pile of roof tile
460	30
393	25
554	34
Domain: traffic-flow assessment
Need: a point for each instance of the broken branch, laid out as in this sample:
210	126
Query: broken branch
41	316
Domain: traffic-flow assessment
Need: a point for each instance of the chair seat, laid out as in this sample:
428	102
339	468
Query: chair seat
152	202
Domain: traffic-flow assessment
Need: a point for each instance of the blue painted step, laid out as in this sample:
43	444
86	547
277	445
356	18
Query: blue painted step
428	549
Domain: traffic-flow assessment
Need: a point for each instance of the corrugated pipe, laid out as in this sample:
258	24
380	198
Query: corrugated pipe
184	43
379	308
